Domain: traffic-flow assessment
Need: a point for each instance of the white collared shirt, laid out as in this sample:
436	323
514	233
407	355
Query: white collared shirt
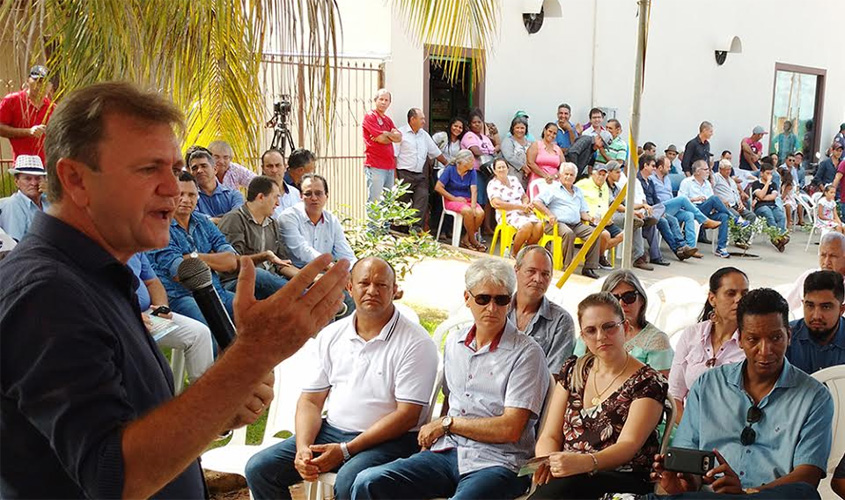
290	196
692	189
367	379
412	152
306	240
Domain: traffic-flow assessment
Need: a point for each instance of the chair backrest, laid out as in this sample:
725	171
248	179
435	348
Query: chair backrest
544	412
453	323
670	409
833	378
290	378
676	290
408	312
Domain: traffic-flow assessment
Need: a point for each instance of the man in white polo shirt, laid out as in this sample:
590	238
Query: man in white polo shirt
411	154
379	368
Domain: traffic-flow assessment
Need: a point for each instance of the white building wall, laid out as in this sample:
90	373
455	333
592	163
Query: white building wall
683	84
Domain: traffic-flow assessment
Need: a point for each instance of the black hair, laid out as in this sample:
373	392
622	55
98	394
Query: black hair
270	151
464	127
260	184
649	145
765	166
596	110
645	160
760	302
191	150
475	113
300	157
200	153
550	124
517	121
412	113
714	285
315	176
564	105
825	280
185	176
726	152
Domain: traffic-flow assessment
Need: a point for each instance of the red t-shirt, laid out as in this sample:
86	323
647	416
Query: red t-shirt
377	155
17	111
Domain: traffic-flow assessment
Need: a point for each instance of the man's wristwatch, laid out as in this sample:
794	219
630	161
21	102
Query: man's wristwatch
345	450
446	423
194	255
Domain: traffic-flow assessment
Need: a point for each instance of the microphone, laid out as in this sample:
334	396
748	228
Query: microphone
195	275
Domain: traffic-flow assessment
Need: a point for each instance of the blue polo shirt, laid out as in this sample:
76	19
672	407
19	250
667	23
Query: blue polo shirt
566	206
455	184
795	428
806	354
202	236
78	366
562	138
140	266
221	201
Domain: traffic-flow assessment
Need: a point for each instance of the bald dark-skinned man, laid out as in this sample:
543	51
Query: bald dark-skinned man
379	368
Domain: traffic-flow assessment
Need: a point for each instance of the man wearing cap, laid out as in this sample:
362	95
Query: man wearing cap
786	142
751	150
674	162
826	172
595	194
840	137
698	148
566	131
17	212
24	115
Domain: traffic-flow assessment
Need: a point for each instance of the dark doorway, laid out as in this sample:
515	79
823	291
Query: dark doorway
448	99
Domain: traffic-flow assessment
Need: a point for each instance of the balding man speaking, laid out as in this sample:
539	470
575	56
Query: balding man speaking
831	258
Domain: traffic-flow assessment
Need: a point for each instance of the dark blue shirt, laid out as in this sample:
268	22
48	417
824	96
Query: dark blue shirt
455	184
808	355
77	367
202	236
825	173
649	190
221	201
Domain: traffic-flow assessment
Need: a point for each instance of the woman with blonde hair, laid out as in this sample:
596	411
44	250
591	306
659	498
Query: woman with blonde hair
600	431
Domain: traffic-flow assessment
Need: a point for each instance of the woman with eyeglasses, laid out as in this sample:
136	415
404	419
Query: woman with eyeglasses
714	341
600	432
644	341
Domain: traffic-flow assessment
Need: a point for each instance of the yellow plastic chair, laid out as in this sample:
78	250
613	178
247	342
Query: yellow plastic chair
505	232
554	238
579	241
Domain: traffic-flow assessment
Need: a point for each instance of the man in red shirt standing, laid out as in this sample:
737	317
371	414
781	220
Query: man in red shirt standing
24	115
379	136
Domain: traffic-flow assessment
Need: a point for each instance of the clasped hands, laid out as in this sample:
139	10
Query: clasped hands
330	457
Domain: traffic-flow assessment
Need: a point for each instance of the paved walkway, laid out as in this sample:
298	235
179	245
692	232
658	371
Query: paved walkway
439	283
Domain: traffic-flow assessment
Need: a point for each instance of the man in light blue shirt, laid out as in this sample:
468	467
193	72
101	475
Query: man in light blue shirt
215	199
17	211
818	339
308	230
564	204
769	422
699	191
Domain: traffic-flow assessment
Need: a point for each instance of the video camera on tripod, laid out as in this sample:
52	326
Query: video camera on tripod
279	121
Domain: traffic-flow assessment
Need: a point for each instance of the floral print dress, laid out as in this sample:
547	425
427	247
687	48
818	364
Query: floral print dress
592	429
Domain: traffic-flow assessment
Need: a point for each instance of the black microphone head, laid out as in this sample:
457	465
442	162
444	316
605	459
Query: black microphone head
194	274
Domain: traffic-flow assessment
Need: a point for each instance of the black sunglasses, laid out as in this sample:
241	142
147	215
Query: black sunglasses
748	436
628	297
483	299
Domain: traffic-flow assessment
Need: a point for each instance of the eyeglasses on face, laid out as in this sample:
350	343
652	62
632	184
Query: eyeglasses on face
483	299
628	297
316	194
748	436
606	328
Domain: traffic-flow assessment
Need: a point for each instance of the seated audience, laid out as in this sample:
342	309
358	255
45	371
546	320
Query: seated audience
536	316
273	166
643	340
699	191
649	147
449	142
787	197
582	152
600	433
671	153
616	149
482	149
826	171
644	221
818	339
495	382
595	127
768	422
563	203
215	199
459	189
18	210
377	348
725	188
544	157
300	162
712	342
193	337
514	150
253	232
506	193
193	235
308	230
595	191
827	215
831	258
800	173
765	196
230	174
567	133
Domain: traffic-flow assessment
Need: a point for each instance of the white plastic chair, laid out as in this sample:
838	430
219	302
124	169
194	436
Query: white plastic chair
673	302
408	312
536	187
452	323
177	365
287	388
457	225
834	379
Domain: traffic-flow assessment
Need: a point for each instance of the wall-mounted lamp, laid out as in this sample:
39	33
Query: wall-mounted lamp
534	11
735	48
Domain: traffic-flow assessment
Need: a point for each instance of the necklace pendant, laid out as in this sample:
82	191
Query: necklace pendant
596	401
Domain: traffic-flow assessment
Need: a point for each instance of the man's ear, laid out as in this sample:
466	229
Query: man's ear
72	175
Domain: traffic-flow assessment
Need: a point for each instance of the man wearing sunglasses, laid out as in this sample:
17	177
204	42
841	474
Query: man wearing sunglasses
818	339
768	422
495	381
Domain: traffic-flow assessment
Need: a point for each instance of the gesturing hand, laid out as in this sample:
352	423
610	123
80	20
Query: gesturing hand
279	325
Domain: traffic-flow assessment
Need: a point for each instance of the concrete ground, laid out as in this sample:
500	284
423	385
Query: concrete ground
439	283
